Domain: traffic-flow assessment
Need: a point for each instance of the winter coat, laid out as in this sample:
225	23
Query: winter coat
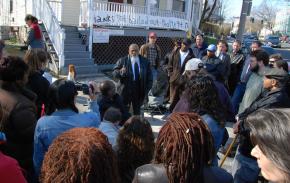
237	63
144	50
18	104
175	71
270	99
39	85
215	67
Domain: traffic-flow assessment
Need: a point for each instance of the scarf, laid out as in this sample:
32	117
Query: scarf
37	31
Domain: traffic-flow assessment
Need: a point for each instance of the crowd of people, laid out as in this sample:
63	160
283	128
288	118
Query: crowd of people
45	138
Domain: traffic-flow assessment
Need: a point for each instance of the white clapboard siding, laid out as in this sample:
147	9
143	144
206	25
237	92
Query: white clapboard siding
71	12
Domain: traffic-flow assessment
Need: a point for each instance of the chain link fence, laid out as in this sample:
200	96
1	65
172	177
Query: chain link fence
105	54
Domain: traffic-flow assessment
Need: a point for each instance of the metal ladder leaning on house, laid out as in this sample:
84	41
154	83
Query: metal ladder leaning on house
65	44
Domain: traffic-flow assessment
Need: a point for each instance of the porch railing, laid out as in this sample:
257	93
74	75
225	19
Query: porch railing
127	10
4	14
44	12
56	6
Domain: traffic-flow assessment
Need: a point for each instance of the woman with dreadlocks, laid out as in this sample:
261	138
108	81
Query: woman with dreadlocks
203	99
183	154
135	146
80	155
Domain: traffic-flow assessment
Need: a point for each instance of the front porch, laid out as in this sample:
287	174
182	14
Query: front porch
108	14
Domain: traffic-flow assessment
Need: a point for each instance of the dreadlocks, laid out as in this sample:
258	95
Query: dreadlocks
80	155
203	98
184	146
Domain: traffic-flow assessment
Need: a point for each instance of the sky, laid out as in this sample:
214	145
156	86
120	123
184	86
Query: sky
235	6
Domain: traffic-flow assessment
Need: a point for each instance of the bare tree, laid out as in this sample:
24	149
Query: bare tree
223	9
208	9
266	12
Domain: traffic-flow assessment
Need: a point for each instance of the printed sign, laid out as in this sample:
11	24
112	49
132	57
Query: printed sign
101	36
139	20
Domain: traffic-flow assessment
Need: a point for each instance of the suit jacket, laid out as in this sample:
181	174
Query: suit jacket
125	81
175	69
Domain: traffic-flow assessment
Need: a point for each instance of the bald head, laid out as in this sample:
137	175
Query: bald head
133	50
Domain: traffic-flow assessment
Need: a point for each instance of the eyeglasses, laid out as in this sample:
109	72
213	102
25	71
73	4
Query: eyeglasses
152	37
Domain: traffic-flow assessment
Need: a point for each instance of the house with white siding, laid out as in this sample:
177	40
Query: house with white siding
93	34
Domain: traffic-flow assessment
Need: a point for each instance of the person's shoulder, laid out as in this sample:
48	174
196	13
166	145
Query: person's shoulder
88	118
143	59
122	59
217	174
7	161
45	121
146	45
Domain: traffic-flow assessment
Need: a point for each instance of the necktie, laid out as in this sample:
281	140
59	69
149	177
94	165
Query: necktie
136	71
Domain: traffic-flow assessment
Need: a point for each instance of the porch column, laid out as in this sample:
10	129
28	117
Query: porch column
189	5
169	5
90	24
148	6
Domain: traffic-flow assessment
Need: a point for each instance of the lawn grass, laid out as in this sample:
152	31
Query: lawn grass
210	40
12	48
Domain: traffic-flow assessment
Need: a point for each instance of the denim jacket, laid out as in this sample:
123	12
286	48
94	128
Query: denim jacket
49	127
217	133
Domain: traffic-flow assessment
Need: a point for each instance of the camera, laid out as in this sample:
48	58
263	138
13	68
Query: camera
84	88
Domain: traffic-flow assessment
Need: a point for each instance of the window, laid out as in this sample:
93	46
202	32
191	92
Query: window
178	5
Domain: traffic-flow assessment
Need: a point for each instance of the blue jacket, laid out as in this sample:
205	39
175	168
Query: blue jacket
49	127
216	131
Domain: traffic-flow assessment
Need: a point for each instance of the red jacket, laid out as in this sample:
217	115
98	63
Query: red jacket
10	171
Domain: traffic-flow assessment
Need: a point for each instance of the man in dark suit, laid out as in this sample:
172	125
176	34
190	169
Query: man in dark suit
135	78
176	66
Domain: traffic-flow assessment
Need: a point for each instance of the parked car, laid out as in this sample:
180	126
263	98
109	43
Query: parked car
268	49
273	41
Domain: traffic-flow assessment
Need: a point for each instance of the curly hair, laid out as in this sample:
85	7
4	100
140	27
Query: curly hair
204	98
184	146
80	155
135	144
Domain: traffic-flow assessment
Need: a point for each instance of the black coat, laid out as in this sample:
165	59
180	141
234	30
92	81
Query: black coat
157	173
270	99
39	85
125	81
237	63
215	67
117	102
19	126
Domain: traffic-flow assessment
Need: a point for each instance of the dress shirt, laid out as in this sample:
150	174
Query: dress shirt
133	61
183	55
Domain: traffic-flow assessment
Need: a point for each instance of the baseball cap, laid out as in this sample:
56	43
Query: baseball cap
193	65
152	34
276	73
186	41
211	48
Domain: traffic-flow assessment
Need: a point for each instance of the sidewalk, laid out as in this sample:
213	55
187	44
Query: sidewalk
157	121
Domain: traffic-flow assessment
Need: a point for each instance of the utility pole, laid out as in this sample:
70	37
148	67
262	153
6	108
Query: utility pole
245	10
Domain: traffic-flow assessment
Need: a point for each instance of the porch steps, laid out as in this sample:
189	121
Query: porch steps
76	53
